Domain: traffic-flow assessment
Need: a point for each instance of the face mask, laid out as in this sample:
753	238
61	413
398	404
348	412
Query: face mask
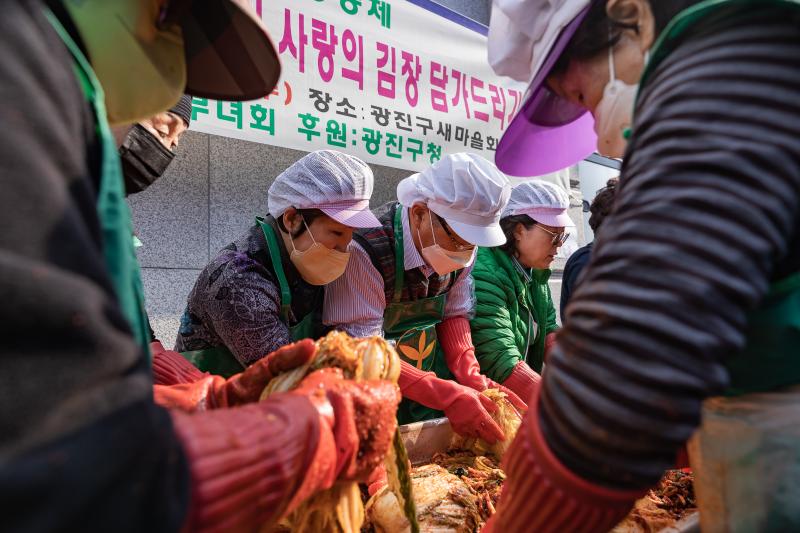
614	112
141	67
318	265
144	159
440	260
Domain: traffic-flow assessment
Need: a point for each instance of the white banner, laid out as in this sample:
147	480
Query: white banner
387	81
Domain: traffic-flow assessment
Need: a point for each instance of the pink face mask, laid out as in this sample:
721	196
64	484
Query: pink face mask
318	264
443	261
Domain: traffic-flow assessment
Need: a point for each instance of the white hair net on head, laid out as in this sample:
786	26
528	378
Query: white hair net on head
338	184
545	202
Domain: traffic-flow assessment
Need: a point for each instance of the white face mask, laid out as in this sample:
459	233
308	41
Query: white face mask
614	113
318	264
440	260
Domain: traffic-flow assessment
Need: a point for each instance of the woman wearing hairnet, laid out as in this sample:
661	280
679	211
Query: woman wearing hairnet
265	289
515	319
409	279
688	316
83	446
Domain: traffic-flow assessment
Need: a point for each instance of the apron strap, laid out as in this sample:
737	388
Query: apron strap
277	267
399	257
113	212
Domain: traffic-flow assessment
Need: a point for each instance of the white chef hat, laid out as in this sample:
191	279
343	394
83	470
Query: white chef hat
544	202
467	191
337	184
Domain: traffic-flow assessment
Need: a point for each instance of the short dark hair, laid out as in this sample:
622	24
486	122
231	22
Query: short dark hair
603	203
598	32
508	225
309	215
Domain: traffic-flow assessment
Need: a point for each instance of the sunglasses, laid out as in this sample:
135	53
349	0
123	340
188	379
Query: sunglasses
451	235
559	238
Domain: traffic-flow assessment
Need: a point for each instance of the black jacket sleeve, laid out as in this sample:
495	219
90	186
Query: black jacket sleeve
706	218
82	446
572	272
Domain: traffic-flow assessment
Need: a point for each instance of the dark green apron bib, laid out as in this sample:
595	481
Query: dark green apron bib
113	212
219	360
412	325
771	358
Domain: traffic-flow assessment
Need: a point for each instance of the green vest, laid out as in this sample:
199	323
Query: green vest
771	357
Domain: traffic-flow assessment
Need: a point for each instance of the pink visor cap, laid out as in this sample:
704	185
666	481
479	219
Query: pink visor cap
352	213
549	133
557	218
338	184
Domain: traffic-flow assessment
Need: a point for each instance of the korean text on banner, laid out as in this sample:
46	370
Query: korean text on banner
385	80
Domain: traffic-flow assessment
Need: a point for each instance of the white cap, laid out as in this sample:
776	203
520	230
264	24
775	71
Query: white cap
522	33
337	184
544	202
467	191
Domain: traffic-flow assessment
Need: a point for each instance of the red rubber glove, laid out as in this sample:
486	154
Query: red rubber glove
212	392
542	495
468	410
522	380
549	342
171	368
455	337
253	464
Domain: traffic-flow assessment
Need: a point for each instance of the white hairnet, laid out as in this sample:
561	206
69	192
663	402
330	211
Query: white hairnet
545	202
338	184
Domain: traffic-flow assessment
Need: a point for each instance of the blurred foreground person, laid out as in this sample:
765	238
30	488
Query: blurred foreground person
83	447
688	316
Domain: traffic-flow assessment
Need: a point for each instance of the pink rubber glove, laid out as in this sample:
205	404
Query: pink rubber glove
549	342
468	410
522	380
542	495
455	337
171	368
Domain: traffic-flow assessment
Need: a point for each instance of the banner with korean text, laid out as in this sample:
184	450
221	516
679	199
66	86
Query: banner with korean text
384	80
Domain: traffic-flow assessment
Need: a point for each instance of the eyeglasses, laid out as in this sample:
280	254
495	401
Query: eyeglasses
559	238
458	246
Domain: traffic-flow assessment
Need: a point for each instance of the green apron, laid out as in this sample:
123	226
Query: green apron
412	325
112	211
746	452
219	360
771	357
